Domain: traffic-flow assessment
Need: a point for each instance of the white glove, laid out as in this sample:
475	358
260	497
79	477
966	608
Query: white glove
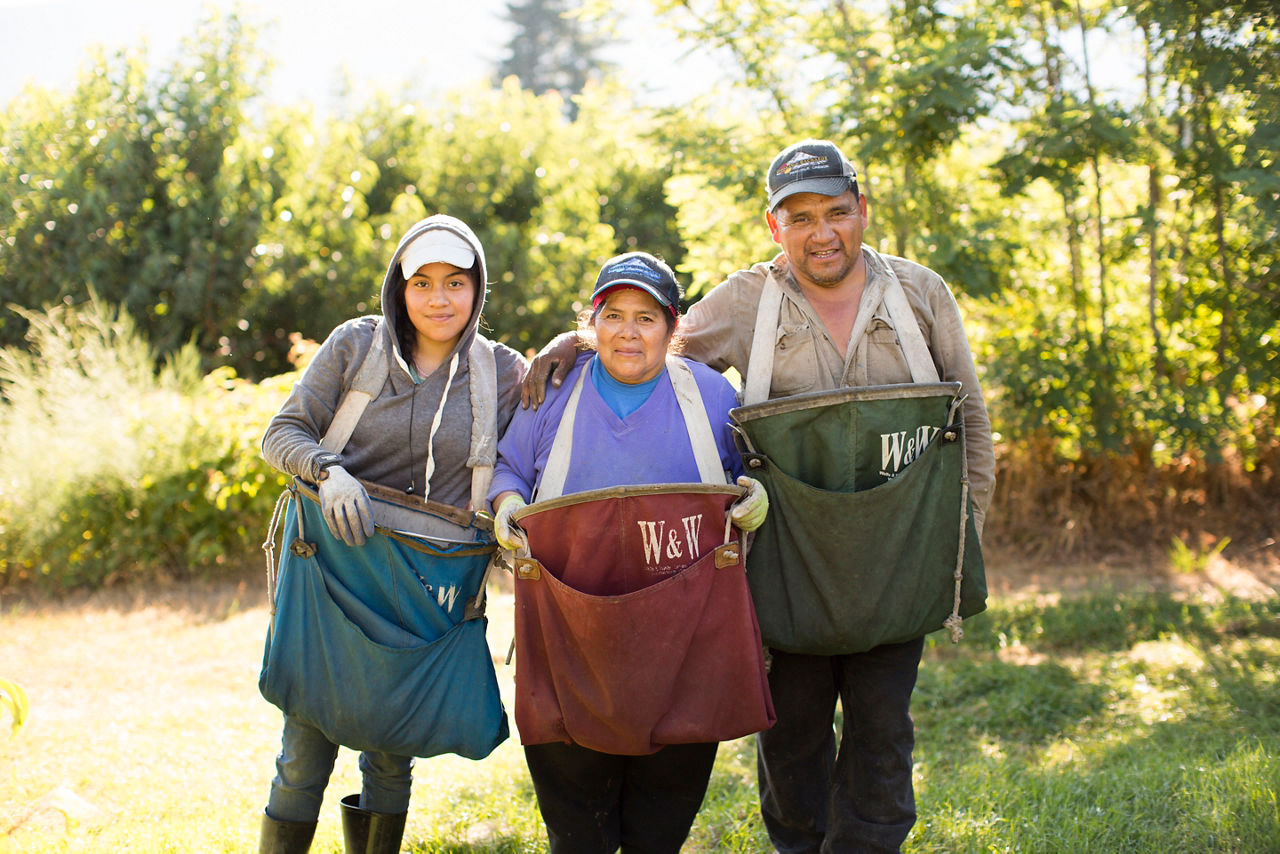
508	534
749	511
345	506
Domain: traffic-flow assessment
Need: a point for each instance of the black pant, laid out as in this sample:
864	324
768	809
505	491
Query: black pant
592	802
814	798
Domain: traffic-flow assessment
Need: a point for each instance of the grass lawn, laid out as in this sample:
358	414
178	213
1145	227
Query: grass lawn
1093	710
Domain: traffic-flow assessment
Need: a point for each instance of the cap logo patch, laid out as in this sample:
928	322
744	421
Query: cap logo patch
802	161
635	268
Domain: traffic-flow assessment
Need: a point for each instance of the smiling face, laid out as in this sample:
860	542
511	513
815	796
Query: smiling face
632	333
439	299
820	235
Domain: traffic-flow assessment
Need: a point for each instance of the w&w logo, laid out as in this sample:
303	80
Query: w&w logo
898	449
663	545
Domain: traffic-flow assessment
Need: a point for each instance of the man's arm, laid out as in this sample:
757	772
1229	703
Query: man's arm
552	363
950	345
717	329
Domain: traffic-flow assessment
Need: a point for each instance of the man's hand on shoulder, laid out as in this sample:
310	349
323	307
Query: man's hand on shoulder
553	362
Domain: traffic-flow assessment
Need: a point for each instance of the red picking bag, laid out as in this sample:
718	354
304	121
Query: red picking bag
634	622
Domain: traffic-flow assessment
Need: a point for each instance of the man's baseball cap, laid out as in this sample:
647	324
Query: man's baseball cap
438	244
810	166
638	270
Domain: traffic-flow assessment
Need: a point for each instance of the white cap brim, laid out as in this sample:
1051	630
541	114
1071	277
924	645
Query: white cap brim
437	245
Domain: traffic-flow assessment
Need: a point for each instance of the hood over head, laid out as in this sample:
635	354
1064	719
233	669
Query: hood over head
435	238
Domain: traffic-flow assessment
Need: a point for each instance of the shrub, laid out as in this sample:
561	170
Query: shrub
116	469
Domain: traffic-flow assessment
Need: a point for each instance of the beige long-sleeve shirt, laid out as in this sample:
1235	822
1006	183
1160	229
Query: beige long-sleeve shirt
718	331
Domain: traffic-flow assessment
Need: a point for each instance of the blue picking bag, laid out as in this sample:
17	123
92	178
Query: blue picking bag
382	646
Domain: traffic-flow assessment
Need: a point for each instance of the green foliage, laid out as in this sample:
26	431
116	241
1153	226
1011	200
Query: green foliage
718	192
1186	560
14	700
116	471
122	187
319	257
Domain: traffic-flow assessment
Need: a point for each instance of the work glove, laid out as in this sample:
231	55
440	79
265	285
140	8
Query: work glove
508	534
749	511
345	506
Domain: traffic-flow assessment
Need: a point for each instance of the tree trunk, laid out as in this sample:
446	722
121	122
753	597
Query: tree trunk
1151	224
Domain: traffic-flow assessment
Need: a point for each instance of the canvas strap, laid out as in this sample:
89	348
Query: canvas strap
697	425
484	420
910	338
483	388
696	422
763	341
364	388
765	335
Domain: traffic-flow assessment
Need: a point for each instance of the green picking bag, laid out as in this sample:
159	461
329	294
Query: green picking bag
870	536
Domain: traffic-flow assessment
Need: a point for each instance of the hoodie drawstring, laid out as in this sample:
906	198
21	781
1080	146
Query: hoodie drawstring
435	425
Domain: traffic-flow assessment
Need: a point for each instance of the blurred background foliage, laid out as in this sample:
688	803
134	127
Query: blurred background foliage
167	240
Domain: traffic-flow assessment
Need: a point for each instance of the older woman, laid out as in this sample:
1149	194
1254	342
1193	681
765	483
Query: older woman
619	421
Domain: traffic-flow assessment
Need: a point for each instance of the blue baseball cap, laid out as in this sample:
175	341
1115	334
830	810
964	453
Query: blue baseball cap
638	270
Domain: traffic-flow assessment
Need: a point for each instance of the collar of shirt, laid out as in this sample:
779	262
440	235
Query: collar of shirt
622	398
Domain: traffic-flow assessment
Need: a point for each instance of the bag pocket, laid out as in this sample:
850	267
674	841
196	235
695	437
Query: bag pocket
841	572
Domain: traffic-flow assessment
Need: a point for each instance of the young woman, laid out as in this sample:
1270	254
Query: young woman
414	437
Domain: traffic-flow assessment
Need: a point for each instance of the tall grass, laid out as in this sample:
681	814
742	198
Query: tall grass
114	466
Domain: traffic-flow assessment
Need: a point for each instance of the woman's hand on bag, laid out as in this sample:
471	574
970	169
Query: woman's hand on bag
552	362
749	511
345	505
509	536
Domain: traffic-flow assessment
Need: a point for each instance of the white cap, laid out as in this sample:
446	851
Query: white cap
438	244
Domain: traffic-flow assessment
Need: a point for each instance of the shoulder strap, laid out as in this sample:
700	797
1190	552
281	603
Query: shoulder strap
696	422
369	380
483	388
910	338
764	339
484	419
697	425
556	470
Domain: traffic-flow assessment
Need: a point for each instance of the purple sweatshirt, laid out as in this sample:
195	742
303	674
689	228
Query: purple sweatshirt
651	445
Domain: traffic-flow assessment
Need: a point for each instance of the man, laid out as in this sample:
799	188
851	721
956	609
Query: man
835	330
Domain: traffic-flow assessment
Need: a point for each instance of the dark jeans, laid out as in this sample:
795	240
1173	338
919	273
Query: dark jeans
594	802
814	798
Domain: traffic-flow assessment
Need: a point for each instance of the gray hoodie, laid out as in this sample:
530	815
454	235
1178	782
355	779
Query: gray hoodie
391	443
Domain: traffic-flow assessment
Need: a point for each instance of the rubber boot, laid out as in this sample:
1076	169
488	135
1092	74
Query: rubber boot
285	837
367	832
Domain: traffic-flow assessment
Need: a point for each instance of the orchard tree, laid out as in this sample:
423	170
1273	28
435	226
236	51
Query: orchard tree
123	186
552	49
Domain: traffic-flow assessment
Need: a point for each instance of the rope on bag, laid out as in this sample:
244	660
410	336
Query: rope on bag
952	623
269	546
